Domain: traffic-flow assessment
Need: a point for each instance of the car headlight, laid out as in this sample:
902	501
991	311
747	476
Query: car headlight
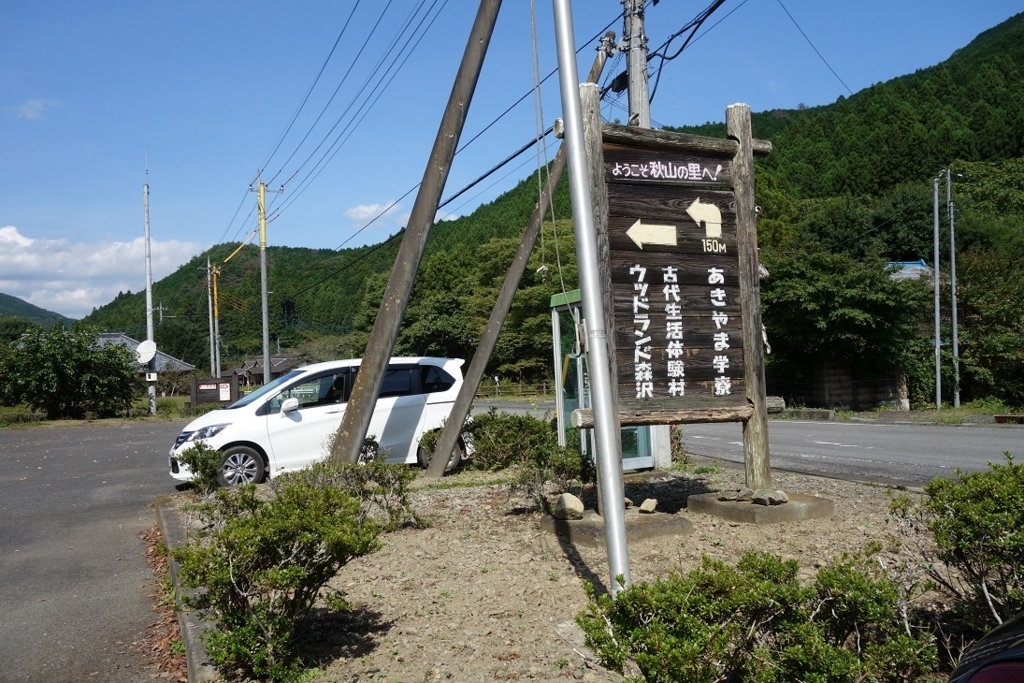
208	431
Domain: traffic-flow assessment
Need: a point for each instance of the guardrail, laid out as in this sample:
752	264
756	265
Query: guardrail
489	390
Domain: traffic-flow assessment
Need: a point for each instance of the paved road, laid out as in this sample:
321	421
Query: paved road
74	586
893	453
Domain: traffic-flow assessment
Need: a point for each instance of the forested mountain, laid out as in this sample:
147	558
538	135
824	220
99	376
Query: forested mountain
13	307
847	188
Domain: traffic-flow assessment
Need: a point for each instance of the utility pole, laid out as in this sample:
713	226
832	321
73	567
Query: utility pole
261	200
356	421
209	308
636	64
215	272
151	364
938	351
952	284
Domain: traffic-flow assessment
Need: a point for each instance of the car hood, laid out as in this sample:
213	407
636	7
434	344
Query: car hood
213	417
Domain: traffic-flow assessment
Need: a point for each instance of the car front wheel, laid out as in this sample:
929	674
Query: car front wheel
458	455
240	465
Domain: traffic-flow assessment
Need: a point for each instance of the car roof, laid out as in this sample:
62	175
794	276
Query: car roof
405	360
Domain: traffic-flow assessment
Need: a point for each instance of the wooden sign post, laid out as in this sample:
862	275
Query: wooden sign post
681	272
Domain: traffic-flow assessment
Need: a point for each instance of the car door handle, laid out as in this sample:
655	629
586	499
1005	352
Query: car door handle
332	412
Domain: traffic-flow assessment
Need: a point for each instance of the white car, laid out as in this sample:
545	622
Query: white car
289	423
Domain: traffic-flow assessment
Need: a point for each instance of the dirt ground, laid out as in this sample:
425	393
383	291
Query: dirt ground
484	595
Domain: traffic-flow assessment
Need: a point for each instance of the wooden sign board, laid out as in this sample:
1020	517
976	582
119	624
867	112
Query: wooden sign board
675	286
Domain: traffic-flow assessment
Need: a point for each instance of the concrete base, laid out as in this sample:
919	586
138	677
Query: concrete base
799	508
589	531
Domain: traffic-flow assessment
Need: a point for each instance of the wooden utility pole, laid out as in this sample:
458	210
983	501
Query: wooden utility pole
474	374
356	421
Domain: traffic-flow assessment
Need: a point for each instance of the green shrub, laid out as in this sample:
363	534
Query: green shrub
976	520
530	445
501	440
756	622
261	562
552	469
204	462
382	489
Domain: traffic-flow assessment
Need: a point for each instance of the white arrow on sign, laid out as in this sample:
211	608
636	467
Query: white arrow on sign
709	214
649	233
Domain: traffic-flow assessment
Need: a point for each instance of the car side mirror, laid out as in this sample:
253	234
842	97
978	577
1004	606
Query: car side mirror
289	405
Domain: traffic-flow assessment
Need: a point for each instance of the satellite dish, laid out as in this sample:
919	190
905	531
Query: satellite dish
146	351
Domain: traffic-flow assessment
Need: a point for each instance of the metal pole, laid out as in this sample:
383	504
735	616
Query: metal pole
209	308
262	200
151	365
938	353
475	373
606	419
356	420
636	66
952	286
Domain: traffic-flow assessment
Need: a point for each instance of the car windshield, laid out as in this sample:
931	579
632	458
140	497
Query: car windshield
265	389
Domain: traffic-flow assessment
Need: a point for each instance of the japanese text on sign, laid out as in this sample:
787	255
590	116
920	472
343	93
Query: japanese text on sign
659	170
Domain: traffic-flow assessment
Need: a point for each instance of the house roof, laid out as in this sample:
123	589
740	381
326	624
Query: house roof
164	362
278	365
908	270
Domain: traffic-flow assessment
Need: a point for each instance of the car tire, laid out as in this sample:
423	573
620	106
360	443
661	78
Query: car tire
458	455
240	465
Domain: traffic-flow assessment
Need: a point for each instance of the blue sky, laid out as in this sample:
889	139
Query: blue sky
206	91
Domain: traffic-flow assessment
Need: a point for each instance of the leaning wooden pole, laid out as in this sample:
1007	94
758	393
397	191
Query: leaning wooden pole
356	421
755	428
475	373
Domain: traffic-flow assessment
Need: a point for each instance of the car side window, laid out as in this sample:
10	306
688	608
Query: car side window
326	389
397	382
435	379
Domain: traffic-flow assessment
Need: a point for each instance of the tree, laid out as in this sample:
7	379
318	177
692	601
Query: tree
822	306
66	373
11	329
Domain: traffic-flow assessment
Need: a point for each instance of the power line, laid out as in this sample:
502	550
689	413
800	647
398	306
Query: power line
366	105
335	146
310	90
814	48
358	53
363	111
693	26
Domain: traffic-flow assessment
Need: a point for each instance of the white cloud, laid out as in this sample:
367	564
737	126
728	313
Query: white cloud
34	109
445	216
366	212
72	278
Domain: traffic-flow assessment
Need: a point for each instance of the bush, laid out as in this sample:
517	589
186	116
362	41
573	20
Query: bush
262	563
976	521
501	440
65	373
553	469
756	622
382	489
204	462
